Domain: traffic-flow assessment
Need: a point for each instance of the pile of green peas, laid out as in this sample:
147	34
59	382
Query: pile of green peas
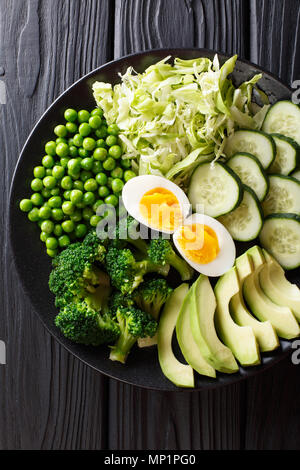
82	169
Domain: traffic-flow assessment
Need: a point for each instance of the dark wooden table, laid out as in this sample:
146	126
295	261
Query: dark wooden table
49	399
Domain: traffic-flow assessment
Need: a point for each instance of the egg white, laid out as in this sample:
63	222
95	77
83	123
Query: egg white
135	189
226	256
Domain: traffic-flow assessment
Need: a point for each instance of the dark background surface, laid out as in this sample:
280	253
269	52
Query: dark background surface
49	399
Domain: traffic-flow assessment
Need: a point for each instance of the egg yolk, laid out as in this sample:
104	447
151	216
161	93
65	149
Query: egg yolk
199	243
160	207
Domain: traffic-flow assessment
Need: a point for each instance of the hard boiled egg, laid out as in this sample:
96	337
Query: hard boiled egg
156	202
205	244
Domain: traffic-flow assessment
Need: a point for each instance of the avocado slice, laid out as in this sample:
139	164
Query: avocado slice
275	285
240	339
264	331
180	374
202	310
188	346
261	306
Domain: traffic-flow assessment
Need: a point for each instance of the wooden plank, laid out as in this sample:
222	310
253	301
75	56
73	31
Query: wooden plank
152	420
48	398
275	37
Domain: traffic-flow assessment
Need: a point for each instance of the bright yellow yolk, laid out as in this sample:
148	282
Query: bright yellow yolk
160	207
199	243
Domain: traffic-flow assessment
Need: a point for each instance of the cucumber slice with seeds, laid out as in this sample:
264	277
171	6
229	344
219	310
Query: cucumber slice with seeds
259	144
245	222
251	173
296	174
287	155
283	118
280	236
283	195
214	189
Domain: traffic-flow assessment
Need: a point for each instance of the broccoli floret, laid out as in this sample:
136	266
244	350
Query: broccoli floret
134	324
151	296
117	299
74	273
82	323
126	273
161	252
125	232
96	246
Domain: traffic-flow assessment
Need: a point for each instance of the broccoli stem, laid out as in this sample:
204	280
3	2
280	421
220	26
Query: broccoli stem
121	349
181	266
139	244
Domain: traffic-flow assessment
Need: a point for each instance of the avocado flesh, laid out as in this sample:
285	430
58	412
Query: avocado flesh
240	339
180	374
275	285
188	346
262	307
264	332
202	310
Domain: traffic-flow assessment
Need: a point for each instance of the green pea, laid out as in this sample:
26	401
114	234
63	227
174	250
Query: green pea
68	207
89	144
66	182
60	140
87	163
39	172
97	167
76	196
64	241
51	243
100	154
97	204
47	226
46	193
85	175
67	195
115	151
126	163
36	199
109	182
50	148
101	133
78	185
55	202
83	116
43	236
77	140
87	213
101	143
36	185
70	115
90	185
74	165
60	131
113	129
26	205
95	122
68	226
48	172
117	185
57	214
64	162
109	164
128	175
76	216
112	200
52	253
71	127
58	172
80	230
103	191
45	212
70	141
83	153
55	192
94	221
89	198
33	215
101	179
117	173
84	129
97	112
57	231
49	182
111	140
62	150
48	161
73	151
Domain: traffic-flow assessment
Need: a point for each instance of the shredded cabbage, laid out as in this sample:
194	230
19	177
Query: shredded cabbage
171	117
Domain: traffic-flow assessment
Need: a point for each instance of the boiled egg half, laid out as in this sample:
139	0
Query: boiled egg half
205	244
156	202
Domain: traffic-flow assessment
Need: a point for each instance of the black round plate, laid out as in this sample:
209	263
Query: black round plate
33	265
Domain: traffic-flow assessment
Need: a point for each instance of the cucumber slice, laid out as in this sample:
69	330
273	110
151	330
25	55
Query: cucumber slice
214	189
287	155
280	236
257	143
296	174
251	173
283	118
283	196
245	222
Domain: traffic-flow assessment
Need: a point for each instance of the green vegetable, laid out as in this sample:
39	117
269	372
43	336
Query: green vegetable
151	295
161	252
